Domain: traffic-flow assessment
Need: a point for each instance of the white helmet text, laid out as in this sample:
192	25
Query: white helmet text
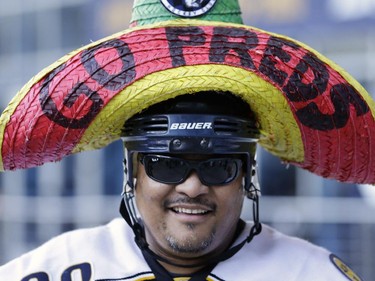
191	126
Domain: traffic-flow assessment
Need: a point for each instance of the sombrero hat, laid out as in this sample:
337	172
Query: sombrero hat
310	112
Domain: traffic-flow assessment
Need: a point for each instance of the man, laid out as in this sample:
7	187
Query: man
195	164
194	160
190	100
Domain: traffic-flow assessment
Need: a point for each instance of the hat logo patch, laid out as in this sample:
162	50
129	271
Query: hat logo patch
188	8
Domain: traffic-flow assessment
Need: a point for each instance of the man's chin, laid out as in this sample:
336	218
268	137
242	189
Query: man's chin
190	245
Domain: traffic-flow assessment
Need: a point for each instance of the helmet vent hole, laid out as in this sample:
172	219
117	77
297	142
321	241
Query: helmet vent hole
153	125
159	125
226	126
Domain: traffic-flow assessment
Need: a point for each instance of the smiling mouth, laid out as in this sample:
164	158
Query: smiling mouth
180	210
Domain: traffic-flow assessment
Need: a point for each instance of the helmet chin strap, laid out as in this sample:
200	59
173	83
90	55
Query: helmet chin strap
128	212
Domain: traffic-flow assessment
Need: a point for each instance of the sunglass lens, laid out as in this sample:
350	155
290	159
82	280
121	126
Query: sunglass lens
218	171
165	169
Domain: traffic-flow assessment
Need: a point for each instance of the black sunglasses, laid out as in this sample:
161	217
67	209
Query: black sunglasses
173	170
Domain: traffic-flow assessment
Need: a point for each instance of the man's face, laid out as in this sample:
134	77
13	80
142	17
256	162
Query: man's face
189	219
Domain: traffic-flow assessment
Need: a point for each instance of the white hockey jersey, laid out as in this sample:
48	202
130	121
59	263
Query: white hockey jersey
108	253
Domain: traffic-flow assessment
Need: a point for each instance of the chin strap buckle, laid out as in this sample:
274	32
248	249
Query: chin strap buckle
139	237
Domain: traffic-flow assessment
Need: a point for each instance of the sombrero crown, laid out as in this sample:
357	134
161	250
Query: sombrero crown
310	111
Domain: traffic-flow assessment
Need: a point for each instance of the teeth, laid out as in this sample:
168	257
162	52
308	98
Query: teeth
190	211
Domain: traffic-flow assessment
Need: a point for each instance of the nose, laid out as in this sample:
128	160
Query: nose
192	186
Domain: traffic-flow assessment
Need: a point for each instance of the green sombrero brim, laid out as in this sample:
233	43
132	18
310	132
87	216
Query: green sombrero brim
311	112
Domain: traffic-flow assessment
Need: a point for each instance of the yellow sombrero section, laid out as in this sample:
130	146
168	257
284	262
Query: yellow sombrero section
282	138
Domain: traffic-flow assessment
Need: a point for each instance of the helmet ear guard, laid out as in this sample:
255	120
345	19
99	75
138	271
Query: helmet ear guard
251	181
129	170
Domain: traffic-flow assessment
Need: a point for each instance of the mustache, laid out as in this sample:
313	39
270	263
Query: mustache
187	200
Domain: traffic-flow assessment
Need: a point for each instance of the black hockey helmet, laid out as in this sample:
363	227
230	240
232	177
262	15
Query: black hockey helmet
201	123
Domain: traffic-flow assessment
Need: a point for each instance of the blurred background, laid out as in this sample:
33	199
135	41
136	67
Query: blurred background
84	190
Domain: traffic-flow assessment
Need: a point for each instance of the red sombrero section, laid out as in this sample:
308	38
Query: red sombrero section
333	112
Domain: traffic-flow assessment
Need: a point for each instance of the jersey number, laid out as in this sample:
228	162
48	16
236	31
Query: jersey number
83	268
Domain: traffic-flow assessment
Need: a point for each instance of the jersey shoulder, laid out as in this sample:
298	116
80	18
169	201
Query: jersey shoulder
77	250
272	254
